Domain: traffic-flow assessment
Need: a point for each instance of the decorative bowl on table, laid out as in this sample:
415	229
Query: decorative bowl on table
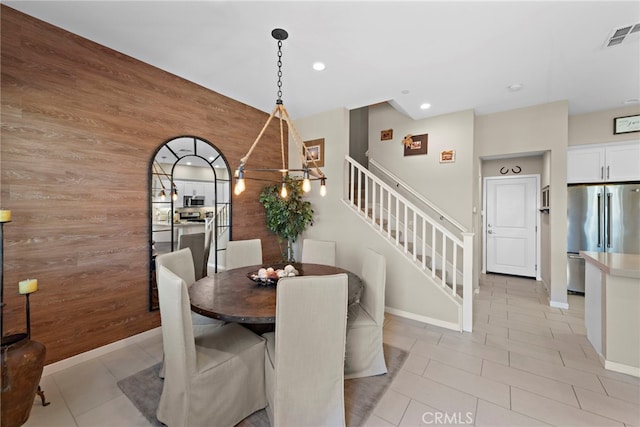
269	276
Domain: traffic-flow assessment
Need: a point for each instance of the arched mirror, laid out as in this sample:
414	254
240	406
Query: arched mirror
190	204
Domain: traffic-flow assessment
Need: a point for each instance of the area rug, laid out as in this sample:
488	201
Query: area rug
361	395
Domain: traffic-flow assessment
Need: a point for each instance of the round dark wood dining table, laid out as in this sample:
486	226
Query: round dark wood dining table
232	296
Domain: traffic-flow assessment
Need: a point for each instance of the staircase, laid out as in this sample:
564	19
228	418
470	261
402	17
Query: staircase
443	256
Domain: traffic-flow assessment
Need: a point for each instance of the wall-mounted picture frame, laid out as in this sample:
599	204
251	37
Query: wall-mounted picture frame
545	200
386	135
417	145
314	151
448	156
626	124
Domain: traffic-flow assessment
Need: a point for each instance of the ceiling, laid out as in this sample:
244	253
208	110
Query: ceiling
453	55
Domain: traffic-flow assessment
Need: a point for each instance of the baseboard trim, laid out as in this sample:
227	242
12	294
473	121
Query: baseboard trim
424	319
100	351
622	368
557	304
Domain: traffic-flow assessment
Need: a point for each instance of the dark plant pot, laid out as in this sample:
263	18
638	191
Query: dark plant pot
22	365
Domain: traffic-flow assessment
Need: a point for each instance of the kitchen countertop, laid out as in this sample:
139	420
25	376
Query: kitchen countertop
624	265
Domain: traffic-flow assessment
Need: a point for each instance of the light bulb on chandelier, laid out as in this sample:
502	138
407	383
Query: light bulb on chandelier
310	169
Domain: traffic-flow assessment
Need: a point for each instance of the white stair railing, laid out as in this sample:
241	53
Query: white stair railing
422	239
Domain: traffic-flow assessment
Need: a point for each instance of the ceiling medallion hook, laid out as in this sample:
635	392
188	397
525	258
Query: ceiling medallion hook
309	164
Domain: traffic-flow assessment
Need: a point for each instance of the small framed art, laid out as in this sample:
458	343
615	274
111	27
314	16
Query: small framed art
626	124
314	152
415	144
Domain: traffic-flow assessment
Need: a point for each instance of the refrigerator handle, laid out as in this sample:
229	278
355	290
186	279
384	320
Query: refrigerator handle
599	220
601	172
608	218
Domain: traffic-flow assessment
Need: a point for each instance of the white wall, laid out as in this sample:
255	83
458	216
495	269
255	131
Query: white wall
405	291
537	129
448	185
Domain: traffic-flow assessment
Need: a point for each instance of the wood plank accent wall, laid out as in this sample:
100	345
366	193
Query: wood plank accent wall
80	124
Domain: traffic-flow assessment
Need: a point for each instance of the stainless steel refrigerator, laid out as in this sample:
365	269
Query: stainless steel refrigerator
601	218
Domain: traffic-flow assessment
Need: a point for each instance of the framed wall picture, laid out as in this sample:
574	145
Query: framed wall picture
314	151
386	135
448	156
415	144
626	124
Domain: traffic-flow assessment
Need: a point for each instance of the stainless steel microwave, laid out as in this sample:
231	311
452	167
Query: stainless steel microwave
193	201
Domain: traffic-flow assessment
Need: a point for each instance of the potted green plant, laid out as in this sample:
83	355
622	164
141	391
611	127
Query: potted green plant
288	216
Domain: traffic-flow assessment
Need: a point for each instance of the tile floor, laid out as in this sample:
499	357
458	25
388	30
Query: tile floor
525	364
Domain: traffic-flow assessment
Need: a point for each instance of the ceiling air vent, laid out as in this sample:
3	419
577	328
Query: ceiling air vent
619	35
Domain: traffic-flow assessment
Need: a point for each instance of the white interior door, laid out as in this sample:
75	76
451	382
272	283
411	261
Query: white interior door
510	225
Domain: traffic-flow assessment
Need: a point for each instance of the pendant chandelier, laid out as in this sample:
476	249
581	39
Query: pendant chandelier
160	173
310	170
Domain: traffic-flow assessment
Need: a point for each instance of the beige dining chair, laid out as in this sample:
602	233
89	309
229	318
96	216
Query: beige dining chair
212	380
364	353
319	252
242	253
180	263
196	243
304	362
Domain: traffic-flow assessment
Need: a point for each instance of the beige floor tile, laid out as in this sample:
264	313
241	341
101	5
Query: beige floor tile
551	324
595	367
621	390
491	415
552	389
117	412
412	331
392	407
491	328
153	347
477	350
374	421
438	396
553	412
559	373
396	340
56	413
546	342
609	407
572	320
127	361
467	382
531	350
459	360
523	326
419	414
415	363
86	386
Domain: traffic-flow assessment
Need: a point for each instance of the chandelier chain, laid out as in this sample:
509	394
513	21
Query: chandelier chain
279	72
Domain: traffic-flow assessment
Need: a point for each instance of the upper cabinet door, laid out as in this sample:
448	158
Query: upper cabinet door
585	164
604	163
623	162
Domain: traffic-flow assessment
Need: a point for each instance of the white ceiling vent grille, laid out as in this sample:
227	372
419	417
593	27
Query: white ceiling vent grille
623	34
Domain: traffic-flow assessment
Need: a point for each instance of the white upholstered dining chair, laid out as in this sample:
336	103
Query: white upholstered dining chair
216	379
304	362
364	353
241	253
180	263
319	252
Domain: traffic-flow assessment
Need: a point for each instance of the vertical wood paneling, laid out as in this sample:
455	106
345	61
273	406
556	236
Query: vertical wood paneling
80	123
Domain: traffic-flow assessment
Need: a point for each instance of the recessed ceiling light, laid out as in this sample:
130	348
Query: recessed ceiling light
405	92
425	106
318	66
515	87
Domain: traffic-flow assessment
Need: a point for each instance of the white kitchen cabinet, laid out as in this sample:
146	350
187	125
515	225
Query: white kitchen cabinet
604	162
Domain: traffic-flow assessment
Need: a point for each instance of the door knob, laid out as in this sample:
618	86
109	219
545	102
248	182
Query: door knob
489	232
